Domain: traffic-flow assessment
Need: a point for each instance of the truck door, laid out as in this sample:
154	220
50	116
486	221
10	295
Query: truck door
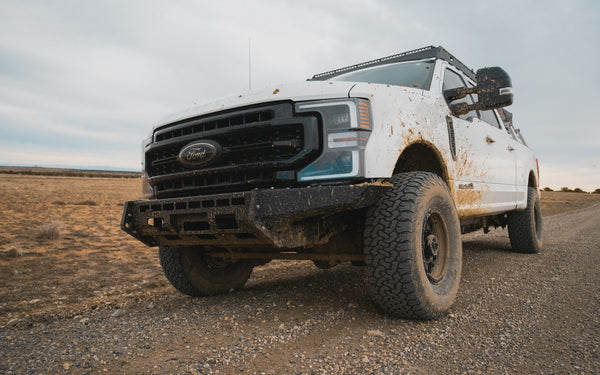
485	162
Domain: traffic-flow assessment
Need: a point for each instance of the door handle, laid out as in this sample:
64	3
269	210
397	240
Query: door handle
489	140
510	148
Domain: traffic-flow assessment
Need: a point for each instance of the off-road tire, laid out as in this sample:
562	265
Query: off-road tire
194	274
399	236
525	226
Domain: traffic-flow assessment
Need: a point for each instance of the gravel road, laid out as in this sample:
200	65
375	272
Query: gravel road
515	313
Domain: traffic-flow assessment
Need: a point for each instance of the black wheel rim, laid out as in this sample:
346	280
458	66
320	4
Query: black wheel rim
434	243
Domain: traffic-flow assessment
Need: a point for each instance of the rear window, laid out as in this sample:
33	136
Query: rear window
409	74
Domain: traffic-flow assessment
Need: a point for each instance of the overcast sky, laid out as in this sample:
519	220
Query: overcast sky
82	82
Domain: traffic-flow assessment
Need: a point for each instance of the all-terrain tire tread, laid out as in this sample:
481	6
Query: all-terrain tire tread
388	248
521	228
172	265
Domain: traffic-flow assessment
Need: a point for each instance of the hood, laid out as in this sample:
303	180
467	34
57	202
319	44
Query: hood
309	90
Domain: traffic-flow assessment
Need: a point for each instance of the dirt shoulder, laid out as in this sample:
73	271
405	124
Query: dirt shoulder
95	299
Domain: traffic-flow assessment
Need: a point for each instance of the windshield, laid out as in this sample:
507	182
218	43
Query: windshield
409	74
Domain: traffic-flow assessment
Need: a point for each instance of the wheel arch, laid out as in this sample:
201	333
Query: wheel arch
532	182
422	157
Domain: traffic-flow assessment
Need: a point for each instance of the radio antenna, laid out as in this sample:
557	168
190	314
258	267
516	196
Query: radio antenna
249	65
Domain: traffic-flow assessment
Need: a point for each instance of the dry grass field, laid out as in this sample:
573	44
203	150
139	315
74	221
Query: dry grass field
555	202
62	251
74	255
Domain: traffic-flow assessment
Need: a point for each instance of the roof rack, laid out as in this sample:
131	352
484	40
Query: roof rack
430	52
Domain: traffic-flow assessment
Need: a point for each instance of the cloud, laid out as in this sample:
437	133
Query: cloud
33	154
79	78
558	175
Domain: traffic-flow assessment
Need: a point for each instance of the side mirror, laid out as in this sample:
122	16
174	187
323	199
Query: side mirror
494	90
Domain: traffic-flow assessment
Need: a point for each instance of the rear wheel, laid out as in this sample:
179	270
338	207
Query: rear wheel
413	248
525	227
196	274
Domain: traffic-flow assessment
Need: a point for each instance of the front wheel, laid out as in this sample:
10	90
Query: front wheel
196	274
525	227
413	247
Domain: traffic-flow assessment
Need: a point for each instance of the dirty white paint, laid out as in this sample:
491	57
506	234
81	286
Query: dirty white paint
489	160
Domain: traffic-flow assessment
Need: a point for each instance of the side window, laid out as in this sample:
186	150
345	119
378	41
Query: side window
452	81
490	118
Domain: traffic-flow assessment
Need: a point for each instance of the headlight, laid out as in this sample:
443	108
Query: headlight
346	129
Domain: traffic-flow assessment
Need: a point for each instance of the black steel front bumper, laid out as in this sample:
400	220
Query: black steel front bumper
280	218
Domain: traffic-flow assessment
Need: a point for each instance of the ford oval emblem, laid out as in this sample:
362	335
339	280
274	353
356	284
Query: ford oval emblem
199	153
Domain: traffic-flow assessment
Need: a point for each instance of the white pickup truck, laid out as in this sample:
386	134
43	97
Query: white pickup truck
383	164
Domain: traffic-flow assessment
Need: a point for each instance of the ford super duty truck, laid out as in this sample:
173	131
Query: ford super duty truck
383	164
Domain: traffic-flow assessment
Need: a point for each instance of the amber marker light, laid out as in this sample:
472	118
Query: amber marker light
364	117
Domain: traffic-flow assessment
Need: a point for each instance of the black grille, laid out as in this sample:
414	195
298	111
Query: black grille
249	146
260	147
203	125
